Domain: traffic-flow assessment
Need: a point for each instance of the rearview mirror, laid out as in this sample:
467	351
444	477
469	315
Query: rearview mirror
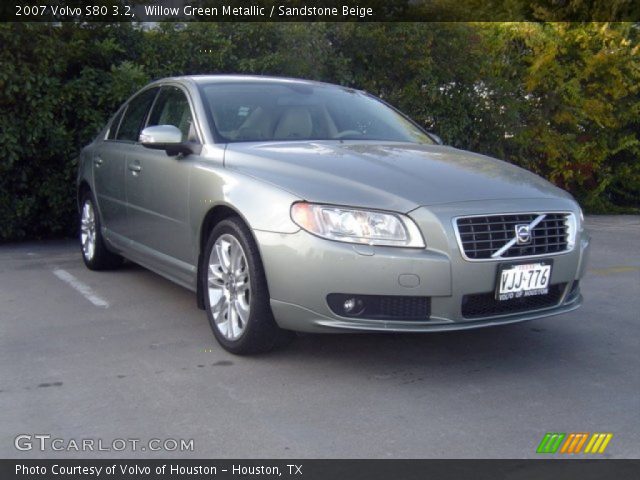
168	138
160	135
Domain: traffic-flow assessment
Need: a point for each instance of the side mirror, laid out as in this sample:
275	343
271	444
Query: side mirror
437	138
168	138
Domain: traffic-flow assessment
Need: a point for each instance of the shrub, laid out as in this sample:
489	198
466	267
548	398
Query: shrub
560	99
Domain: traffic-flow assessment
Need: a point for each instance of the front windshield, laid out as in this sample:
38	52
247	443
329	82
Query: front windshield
261	111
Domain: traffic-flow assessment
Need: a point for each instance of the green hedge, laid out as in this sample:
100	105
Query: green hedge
562	100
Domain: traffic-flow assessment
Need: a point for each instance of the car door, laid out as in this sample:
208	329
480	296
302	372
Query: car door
108	177
157	188
109	163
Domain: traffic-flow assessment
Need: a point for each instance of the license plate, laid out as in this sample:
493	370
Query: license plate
523	280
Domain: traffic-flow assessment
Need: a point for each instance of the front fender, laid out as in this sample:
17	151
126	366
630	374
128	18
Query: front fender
262	206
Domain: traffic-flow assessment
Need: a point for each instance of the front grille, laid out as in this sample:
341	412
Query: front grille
486	305
381	307
481	237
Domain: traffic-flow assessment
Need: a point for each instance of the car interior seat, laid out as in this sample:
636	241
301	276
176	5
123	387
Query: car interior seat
295	122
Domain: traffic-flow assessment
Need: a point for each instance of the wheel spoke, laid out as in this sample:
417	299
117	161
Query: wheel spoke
242	308
216	276
233	330
218	301
242	287
222	249
241	275
236	257
222	321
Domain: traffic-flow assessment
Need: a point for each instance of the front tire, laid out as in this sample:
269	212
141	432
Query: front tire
95	254
235	292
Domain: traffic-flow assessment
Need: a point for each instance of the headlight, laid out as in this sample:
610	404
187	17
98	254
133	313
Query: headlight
357	226
572	230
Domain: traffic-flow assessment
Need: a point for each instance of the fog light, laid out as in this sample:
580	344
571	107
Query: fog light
353	306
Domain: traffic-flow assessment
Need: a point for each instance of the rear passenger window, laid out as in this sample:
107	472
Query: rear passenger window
172	108
135	115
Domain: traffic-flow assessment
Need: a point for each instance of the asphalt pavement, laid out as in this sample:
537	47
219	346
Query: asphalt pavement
127	355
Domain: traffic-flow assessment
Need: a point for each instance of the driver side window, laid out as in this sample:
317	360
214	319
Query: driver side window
172	108
134	116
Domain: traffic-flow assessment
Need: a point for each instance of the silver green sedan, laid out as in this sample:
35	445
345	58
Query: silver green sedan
290	205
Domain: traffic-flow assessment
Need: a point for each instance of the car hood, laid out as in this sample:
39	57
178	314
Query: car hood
391	176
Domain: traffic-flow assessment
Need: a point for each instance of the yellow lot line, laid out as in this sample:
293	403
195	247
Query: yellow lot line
614	270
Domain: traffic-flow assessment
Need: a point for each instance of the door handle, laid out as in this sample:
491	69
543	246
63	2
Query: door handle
97	161
135	168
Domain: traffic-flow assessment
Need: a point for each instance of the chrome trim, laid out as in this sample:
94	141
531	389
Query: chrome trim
498	253
567	213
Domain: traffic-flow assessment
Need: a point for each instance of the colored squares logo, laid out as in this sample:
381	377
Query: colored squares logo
598	443
573	443
551	442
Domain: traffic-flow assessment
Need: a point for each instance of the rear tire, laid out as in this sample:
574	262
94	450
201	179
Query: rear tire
95	253
236	295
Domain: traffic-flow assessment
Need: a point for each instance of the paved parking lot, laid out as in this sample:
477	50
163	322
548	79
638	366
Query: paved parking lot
127	355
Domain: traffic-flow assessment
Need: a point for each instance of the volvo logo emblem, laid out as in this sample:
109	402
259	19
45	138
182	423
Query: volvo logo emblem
523	234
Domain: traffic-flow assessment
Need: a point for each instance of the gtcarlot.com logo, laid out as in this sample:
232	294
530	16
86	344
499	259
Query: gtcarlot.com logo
45	442
574	443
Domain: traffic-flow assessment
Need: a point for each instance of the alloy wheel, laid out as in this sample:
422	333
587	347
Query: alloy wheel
88	230
228	286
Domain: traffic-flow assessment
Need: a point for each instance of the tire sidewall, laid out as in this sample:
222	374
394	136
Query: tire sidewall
259	310
103	258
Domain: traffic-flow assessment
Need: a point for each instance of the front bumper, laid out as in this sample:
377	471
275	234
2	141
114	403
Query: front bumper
302	270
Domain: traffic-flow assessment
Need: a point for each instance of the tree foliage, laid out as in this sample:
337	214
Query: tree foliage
561	99
580	94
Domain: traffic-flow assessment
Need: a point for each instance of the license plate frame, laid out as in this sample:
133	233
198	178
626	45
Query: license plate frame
508	296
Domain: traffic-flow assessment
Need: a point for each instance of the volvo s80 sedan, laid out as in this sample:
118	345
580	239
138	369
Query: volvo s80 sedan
290	205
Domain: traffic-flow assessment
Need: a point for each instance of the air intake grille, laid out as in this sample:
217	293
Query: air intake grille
486	305
481	237
411	308
381	307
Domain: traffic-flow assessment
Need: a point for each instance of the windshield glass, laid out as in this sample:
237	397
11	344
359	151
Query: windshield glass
260	111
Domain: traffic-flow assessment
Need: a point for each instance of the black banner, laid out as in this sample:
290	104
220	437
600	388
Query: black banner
318	10
320	469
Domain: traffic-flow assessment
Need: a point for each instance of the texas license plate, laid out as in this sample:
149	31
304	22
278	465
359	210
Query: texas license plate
523	280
